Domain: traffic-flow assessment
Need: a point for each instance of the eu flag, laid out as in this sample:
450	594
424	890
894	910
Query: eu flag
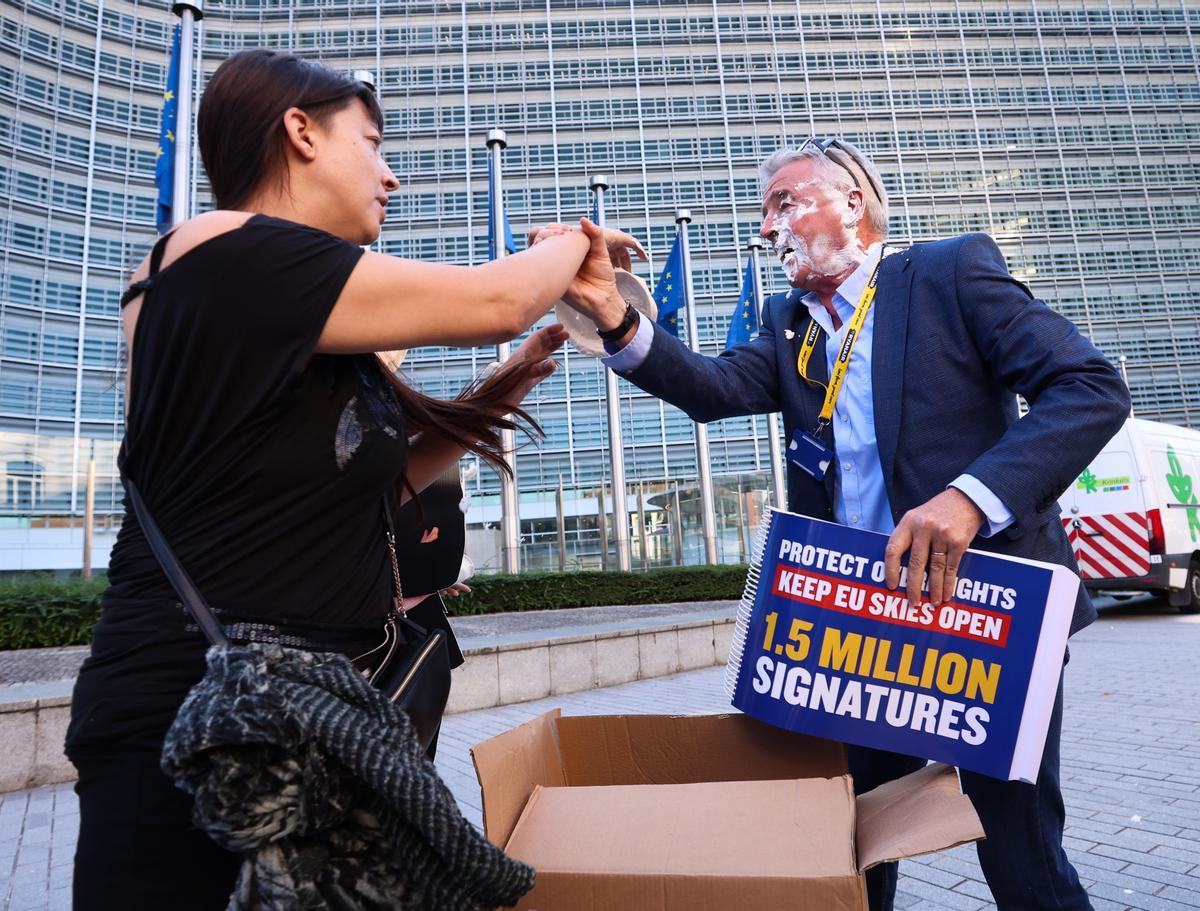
670	294
744	322
510	243
164	166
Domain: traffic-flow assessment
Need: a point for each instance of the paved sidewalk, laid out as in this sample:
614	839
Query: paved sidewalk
41	665
1131	775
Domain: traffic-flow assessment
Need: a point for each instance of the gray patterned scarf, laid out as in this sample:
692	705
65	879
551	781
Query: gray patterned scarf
319	782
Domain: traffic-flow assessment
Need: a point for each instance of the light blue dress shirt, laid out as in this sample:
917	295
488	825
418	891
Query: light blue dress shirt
860	495
631	356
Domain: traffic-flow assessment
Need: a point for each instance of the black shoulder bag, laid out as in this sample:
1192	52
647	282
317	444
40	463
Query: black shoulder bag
411	667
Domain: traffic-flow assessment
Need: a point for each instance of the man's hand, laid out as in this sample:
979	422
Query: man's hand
593	291
937	534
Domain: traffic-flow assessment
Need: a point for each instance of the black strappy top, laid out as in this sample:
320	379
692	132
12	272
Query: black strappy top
262	462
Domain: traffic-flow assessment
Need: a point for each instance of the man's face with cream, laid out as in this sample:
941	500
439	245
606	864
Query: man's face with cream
812	224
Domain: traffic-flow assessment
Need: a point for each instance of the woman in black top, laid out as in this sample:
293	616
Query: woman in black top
262	432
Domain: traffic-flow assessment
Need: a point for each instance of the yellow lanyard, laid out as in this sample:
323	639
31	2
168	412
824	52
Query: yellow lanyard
842	364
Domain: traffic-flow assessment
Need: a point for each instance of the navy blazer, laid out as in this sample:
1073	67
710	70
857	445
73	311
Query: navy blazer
955	338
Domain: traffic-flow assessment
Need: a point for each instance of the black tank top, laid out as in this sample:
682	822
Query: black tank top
263	463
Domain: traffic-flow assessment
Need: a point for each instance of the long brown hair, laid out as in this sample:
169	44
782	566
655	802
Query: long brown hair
241	135
474	419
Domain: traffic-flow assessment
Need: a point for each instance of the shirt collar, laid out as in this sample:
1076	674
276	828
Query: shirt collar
846	298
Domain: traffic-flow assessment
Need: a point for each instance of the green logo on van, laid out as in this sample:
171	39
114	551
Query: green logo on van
1181	489
1089	483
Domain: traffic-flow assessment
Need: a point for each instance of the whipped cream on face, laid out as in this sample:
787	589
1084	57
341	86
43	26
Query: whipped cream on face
790	249
829	255
832	256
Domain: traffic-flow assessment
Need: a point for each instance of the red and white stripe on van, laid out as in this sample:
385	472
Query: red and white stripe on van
1114	545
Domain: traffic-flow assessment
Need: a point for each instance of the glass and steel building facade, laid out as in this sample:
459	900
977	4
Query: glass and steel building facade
1067	129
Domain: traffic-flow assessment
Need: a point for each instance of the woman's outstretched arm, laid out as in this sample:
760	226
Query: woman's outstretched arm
397	303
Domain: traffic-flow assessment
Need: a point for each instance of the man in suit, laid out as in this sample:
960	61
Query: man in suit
923	438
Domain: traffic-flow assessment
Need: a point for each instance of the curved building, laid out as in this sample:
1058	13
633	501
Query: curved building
1068	129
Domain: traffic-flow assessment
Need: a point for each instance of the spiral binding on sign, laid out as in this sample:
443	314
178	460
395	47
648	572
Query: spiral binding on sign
741	624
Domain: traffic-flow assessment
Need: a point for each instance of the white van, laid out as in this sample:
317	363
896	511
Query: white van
1133	516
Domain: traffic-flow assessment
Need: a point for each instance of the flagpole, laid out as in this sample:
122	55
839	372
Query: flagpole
708	516
189	13
602	528
89	515
677	526
616	444
510	517
1124	368
776	454
641	510
562	526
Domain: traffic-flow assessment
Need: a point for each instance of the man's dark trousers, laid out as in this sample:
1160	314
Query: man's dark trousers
1022	857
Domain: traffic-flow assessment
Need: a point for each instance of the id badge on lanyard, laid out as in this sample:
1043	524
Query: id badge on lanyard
808	451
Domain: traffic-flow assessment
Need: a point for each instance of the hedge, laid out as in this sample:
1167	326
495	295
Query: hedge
547	591
41	612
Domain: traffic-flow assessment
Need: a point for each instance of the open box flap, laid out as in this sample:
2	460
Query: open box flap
682	749
917	814
510	766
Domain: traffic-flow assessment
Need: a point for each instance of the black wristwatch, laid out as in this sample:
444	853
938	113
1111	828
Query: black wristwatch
630	318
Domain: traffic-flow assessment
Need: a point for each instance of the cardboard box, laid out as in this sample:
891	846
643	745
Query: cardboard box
700	813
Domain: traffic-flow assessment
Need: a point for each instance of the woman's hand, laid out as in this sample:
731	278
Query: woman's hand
537	235
408	602
537	349
618	243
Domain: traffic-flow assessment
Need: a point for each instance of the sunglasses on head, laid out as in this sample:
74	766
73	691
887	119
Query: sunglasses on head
843	157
